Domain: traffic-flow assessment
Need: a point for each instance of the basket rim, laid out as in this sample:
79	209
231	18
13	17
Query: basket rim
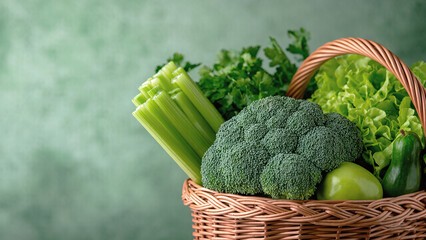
188	183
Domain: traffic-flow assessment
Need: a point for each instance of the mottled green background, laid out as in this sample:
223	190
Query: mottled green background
74	163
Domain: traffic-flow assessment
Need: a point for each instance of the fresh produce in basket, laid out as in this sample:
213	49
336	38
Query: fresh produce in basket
235	164
279	146
371	97
177	114
350	182
237	79
405	170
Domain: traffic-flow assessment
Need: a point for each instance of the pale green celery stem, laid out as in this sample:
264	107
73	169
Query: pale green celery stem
203	105
154	109
139	99
182	123
145	87
155	82
154	91
174	145
178	71
194	116
163	80
168	69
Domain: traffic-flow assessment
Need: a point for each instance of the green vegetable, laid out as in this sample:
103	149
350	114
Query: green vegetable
372	98
405	171
238	78
178	59
180	118
290	176
350	182
278	146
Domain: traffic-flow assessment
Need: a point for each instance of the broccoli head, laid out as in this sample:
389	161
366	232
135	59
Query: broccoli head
279	146
290	176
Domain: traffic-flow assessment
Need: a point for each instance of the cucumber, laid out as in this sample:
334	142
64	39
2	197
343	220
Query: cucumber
404	174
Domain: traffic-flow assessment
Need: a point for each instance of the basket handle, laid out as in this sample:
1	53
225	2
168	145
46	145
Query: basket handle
366	48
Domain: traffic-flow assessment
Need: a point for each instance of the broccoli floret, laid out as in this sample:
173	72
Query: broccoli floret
210	171
246	117
300	123
308	116
271	131
314	110
280	141
290	176
348	132
242	168
323	147
278	121
255	132
229	134
265	108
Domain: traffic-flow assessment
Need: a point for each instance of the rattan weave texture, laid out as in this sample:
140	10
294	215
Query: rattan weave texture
230	216
221	216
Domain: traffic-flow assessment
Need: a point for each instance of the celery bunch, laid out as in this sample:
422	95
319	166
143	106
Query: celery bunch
181	119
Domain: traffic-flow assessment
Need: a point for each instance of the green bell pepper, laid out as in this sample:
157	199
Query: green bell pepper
350	182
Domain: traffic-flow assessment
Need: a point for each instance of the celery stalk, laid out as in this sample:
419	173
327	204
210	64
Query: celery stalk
182	123
194	116
179	117
154	91
145	87
139	99
168	69
203	105
155	81
164	81
156	111
178	72
176	147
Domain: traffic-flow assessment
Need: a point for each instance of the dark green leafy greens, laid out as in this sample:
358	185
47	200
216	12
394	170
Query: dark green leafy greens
300	43
237	79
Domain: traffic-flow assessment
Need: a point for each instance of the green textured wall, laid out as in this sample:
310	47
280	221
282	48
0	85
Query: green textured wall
74	163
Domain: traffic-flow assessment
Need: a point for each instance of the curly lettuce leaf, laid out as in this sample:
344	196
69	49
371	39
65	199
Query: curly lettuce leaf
371	97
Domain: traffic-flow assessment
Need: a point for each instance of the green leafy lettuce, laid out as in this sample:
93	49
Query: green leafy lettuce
371	97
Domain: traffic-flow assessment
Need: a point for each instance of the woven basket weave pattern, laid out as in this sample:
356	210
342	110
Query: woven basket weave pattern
230	216
222	216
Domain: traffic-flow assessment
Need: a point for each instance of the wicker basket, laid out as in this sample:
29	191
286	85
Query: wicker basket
229	216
